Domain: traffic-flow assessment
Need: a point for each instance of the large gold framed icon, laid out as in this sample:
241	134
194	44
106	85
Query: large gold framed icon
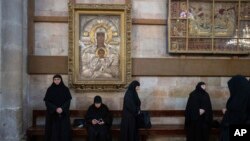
99	46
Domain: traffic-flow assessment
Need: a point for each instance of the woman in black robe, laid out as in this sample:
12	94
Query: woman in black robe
99	121
57	100
237	105
198	114
248	106
131	108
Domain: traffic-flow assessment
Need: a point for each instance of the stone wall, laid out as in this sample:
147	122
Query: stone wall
149	41
21	93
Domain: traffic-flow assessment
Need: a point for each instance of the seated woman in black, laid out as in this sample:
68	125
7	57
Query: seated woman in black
99	121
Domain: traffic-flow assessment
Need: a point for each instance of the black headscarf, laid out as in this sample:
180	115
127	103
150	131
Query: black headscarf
57	94
239	92
133	93
97	99
61	83
198	87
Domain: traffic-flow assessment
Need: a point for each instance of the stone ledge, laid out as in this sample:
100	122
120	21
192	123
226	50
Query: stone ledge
153	66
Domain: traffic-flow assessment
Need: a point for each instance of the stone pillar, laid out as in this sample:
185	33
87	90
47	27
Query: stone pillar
1	134
11	70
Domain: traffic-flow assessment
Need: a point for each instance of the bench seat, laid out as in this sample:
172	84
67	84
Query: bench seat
156	129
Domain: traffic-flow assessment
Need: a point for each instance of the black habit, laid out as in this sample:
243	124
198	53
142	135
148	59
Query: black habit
131	108
198	126
248	106
237	105
99	132
57	126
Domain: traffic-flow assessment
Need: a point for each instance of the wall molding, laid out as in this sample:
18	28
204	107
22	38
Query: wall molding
64	19
153	66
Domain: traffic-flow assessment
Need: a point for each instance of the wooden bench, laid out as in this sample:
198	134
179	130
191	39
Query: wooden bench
156	130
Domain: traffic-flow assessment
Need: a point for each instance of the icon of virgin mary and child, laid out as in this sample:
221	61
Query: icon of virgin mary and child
101	60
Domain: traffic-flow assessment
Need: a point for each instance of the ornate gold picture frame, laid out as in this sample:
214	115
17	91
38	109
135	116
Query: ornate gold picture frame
99	46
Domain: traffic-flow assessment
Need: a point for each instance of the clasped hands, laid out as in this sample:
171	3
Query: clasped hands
59	110
95	121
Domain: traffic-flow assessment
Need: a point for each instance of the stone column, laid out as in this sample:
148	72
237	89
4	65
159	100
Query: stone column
1	126
11	70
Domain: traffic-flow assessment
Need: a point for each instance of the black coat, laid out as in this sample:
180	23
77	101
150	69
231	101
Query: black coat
198	126
248	106
99	132
237	105
131	107
57	126
99	113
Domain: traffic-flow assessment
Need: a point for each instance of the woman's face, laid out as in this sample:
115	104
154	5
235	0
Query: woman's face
98	105
203	87
137	88
100	38
57	81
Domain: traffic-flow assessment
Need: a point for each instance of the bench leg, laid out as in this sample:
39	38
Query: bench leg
31	138
144	138
28	138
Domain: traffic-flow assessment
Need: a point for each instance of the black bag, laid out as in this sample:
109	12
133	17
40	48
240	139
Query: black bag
143	120
79	123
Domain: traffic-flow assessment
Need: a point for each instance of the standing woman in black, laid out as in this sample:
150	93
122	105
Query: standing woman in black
131	108
198	114
236	111
57	100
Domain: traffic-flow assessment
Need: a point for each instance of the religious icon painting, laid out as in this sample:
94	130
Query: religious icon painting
208	27
99	46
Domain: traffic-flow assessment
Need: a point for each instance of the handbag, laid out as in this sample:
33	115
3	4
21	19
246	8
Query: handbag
143	120
79	123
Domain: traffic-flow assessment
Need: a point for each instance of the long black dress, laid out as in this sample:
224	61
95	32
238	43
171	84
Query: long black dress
248	106
99	132
198	126
237	105
131	107
57	126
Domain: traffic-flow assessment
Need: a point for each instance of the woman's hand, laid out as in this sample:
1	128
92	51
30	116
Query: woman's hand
94	121
224	110
101	122
59	110
202	111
